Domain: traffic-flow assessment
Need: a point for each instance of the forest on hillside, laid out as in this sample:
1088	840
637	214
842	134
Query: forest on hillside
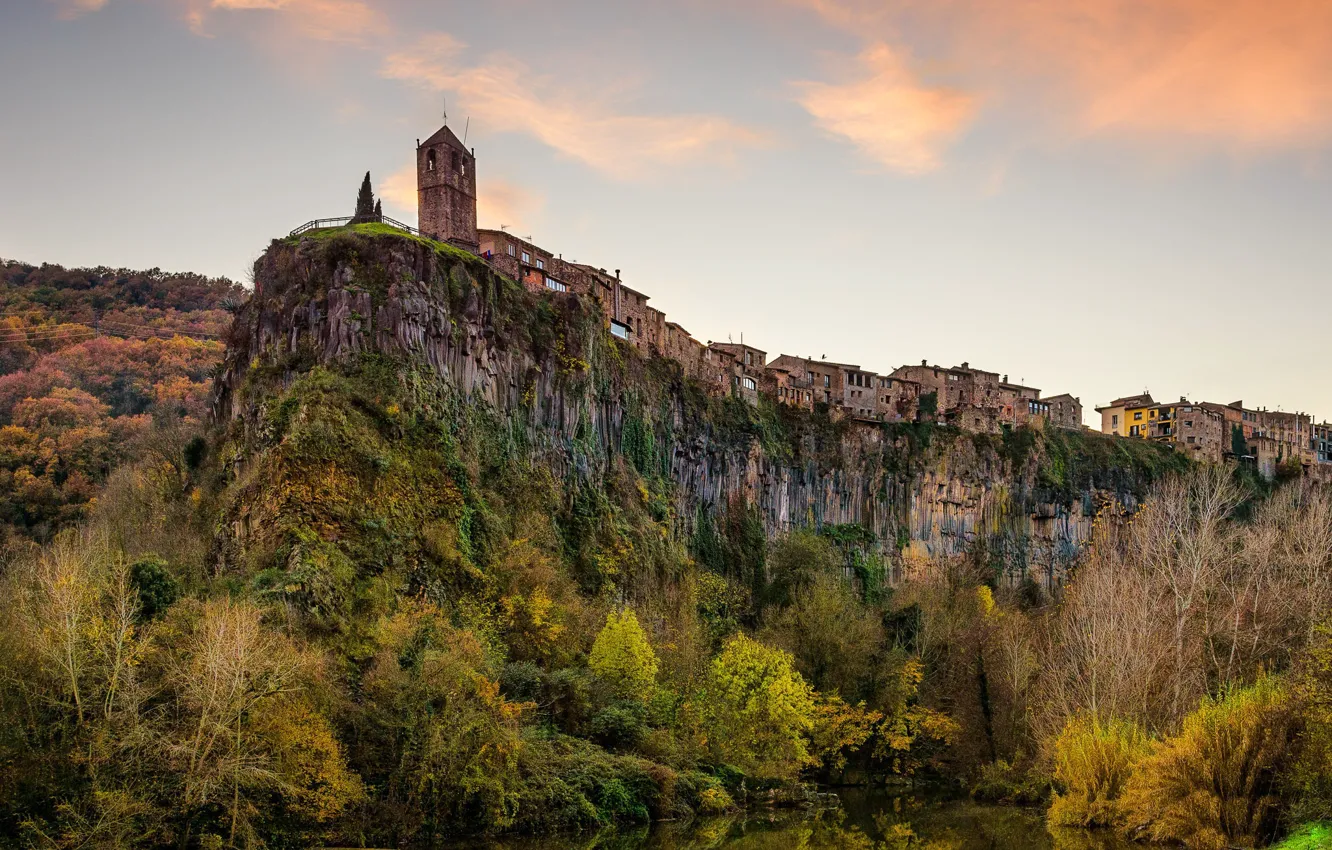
97	367
370	618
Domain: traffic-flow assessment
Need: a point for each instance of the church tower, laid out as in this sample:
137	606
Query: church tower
446	190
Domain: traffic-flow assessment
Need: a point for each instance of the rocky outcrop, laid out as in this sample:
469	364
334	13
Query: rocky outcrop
550	367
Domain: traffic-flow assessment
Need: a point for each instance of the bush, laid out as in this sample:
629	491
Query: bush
156	587
1214	784
620	725
1093	764
1003	782
572	784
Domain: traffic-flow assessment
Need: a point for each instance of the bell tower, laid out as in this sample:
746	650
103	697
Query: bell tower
446	190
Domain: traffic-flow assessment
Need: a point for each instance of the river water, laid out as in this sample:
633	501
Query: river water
867	820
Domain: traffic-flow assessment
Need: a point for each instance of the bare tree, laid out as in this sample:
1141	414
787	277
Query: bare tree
1183	539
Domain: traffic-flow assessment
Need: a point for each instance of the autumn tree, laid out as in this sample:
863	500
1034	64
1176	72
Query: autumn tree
758	710
438	737
623	658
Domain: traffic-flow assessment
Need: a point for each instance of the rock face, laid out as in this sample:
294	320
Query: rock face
546	363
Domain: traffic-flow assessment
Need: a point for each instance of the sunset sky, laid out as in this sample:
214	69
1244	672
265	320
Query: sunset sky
1092	196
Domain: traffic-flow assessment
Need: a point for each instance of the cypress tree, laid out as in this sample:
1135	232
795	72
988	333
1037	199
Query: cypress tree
365	202
379	211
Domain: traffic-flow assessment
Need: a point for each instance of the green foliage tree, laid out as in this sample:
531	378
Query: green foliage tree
623	658
837	642
1238	447
441	739
795	561
758	711
365	201
156	586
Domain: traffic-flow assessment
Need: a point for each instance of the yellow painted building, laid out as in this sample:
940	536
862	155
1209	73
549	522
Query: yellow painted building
1130	416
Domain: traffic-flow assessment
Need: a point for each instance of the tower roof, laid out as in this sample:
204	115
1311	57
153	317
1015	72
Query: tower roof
445	136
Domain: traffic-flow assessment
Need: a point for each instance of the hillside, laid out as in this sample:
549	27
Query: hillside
96	367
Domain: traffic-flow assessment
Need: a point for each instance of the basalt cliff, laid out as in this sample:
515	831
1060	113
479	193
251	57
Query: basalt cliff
377	387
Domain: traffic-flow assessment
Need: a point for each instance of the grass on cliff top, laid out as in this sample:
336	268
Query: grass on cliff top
380	229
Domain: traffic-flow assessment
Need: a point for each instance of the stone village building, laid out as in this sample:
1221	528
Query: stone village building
1216	433
969	398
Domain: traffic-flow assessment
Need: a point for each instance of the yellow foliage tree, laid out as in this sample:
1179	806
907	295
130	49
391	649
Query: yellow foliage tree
623	658
758	711
1214	785
1093	763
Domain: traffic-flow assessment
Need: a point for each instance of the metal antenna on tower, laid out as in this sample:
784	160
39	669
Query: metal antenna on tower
446	111
467	126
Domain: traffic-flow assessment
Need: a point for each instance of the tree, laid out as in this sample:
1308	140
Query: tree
1238	447
379	211
623	658
365	202
837	641
758	710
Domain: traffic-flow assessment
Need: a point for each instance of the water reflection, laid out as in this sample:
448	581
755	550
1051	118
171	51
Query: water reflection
868	820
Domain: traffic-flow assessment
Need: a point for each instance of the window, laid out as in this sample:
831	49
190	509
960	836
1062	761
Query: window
827	381
749	383
527	258
620	330
453	160
749	358
541	264
552	283
1137	416
511	251
1114	420
430	160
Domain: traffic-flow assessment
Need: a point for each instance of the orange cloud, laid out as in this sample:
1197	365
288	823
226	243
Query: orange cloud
498	201
398	190
352	22
1241	75
887	113
505	96
70	9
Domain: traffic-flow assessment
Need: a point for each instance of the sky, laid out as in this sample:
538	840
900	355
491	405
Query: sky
1090	196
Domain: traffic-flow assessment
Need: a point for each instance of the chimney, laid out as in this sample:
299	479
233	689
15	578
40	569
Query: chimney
924	363
1005	379
966	365
617	274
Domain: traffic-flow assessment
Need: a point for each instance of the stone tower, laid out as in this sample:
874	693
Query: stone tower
446	190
